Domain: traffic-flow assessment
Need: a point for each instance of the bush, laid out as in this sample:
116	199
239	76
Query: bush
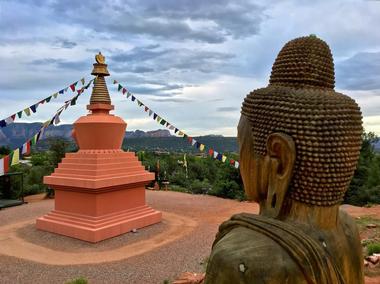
373	248
80	280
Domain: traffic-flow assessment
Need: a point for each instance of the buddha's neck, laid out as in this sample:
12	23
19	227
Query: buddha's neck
322	217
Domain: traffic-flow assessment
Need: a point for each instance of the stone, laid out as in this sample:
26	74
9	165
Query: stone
299	145
99	190
371	226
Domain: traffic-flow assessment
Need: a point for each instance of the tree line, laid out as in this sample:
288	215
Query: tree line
197	173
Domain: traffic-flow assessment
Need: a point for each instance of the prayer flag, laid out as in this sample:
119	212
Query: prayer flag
115	82
163	122
215	154
27	111
211	152
180	133
133	98
55	95
224	158
15	157
56	119
9	120
150	112
146	108
2	123
232	162
171	127
167	124
190	139
74	101
34	108
124	90
119	87
19	114
33	141
197	144
155	116
66	89
26	148
219	157
193	142
82	81
128	94
61	91
72	87
4	165
48	99
236	164
201	147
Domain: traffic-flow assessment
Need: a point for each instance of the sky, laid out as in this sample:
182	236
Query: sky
192	62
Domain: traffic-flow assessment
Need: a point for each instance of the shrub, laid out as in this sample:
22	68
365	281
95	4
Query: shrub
373	248
80	280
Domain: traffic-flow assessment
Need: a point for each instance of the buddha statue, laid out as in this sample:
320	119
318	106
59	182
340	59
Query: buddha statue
299	145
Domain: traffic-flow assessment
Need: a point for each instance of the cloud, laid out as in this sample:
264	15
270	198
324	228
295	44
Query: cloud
359	72
148	59
64	43
212	21
227	109
61	63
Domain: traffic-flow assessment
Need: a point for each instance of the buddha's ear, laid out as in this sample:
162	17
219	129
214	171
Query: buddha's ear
282	153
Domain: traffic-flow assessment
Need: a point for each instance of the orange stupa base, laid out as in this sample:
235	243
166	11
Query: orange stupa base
100	190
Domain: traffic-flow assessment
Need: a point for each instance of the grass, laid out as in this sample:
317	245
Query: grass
79	280
373	248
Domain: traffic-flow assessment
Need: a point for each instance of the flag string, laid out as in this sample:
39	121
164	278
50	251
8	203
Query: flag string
159	119
33	108
13	158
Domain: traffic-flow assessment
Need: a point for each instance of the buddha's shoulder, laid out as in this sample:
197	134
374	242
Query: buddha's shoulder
247	254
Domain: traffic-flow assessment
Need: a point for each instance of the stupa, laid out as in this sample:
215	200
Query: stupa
99	190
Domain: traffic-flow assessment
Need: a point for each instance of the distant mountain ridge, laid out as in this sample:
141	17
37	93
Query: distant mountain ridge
16	134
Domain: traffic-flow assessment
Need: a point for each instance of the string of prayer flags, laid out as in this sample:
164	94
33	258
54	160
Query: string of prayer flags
14	157
212	153
33	108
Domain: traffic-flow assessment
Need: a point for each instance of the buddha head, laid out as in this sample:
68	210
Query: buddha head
299	139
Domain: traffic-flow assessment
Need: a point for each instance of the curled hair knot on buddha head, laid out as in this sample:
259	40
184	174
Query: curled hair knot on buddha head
326	126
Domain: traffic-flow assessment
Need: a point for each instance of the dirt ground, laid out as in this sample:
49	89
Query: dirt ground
154	254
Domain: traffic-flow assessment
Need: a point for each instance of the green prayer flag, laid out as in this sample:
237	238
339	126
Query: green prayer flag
19	114
163	122
48	99
119	87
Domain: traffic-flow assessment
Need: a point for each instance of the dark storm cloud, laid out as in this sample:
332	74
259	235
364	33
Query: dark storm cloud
359	72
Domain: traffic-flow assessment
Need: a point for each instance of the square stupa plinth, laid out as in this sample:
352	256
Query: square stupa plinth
98	196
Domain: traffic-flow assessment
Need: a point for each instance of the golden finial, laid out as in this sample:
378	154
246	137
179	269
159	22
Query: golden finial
100	58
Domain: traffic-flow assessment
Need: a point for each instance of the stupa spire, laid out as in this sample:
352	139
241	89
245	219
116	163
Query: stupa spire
100	92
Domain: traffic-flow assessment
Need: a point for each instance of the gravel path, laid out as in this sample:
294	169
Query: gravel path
164	262
186	252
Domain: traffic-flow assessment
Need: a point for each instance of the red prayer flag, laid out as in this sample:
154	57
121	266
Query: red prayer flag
72	87
211	152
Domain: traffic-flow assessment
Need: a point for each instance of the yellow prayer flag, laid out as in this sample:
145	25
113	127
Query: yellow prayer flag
201	147
224	158
15	157
27	111
55	95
